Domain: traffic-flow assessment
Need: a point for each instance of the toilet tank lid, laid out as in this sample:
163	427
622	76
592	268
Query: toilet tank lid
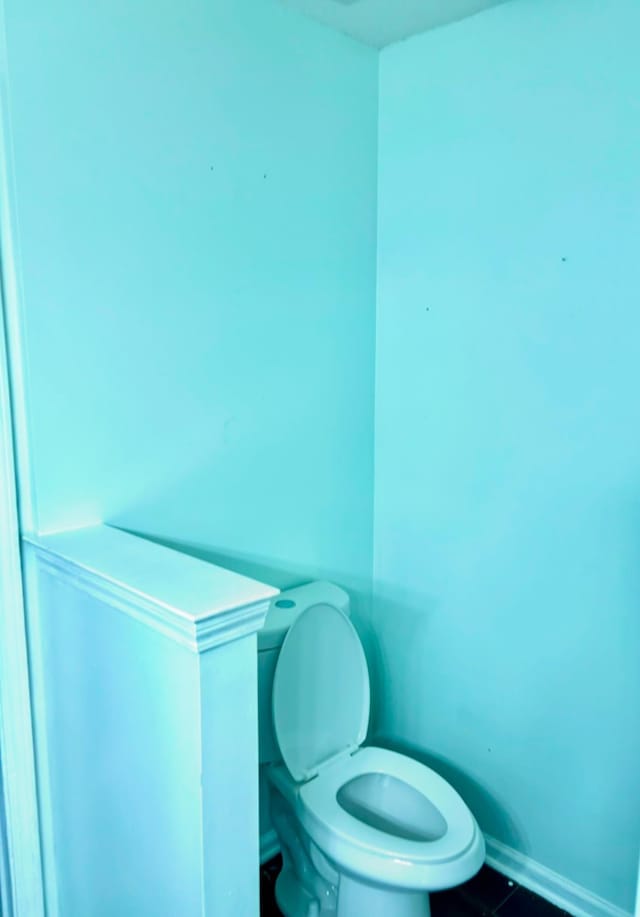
286	607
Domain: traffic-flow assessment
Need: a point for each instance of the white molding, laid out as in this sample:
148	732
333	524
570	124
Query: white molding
197	634
550	885
39	699
230	625
196	605
23	887
22	893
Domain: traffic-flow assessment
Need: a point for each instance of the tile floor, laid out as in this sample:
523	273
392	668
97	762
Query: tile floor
487	894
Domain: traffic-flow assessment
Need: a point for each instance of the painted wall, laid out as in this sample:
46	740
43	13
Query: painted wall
195	188
507	510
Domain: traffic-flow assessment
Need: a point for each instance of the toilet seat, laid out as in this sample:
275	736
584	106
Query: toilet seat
320	691
377	854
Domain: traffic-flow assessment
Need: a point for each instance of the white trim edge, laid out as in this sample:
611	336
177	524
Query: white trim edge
22	889
550	885
197	635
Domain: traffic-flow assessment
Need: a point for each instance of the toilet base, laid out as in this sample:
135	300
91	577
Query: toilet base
293	899
356	898
311	885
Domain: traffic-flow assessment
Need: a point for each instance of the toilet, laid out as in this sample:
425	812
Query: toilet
363	831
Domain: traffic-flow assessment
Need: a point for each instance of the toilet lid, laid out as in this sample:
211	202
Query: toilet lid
320	690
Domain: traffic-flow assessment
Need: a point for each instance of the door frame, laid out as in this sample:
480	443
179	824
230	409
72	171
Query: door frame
22	872
21	879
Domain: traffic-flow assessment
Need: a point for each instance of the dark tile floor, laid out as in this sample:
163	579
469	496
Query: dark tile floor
487	894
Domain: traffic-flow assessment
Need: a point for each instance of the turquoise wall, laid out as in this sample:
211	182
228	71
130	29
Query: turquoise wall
196	196
507	508
195	188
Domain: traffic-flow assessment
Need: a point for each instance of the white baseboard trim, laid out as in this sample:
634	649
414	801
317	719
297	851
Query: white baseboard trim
550	885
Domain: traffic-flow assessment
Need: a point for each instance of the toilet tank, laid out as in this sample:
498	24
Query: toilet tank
283	610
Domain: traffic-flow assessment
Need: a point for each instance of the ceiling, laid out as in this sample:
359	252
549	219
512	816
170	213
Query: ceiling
380	22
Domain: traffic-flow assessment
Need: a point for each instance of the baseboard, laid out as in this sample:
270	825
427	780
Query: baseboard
549	884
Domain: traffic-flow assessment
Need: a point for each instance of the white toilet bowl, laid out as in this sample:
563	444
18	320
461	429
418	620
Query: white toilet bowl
364	832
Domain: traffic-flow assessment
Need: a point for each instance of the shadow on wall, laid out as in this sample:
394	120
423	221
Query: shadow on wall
406	618
265	569
488	811
400	617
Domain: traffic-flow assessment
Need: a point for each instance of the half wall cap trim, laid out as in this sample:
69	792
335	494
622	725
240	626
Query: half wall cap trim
196	604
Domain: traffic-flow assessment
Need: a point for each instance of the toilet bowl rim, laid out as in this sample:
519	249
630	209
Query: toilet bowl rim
372	865
321	813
